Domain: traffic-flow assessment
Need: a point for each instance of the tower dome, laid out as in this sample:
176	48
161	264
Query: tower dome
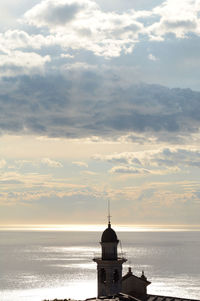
109	235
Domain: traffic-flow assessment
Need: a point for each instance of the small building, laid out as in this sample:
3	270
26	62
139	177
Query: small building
135	286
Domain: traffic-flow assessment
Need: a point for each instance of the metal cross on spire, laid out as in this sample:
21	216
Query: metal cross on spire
109	216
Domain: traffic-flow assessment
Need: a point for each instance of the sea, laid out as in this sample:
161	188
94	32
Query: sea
36	265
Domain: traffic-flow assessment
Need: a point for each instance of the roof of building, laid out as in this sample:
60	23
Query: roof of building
166	298
117	297
125	297
109	235
130	274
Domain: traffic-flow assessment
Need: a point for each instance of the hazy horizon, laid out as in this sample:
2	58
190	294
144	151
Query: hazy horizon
98	227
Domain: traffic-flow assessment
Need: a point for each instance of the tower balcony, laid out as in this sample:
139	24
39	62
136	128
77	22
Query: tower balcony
98	258
98	255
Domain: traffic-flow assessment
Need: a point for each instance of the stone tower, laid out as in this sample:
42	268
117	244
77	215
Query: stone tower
109	265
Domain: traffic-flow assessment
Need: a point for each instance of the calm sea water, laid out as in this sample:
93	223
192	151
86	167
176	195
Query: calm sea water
35	265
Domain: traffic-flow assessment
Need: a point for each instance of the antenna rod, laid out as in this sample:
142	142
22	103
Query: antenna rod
109	216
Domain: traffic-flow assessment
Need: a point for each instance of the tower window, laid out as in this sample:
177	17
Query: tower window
103	276
115	276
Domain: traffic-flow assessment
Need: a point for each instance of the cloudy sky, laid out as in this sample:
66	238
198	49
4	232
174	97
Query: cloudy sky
100	100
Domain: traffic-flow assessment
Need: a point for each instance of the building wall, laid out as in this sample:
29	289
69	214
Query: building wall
134	286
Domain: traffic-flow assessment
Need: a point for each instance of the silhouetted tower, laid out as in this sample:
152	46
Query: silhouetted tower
109	265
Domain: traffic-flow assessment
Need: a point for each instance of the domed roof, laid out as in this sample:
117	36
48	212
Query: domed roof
109	235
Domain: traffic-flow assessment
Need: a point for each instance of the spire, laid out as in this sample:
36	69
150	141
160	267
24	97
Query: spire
109	216
109	234
143	276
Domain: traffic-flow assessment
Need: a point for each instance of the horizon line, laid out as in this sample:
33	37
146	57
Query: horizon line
100	227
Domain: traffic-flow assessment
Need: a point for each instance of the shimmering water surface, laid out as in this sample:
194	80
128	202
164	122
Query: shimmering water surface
35	265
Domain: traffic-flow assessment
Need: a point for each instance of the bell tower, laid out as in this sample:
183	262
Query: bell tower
109	265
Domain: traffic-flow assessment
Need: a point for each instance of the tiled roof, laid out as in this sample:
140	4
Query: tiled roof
128	275
117	297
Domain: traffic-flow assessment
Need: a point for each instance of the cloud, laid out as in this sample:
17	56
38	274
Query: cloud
19	39
89	172
79	66
177	17
51	163
152	57
31	193
66	55
83	25
80	98
161	161
85	103
29	188
53	13
11	182
2	163
18	62
33	186
80	163
158	195
177	157
128	170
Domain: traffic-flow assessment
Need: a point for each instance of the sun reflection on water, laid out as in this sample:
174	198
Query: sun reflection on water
50	265
73	290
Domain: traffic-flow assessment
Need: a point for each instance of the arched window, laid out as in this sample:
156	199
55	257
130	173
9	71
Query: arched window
103	276
115	276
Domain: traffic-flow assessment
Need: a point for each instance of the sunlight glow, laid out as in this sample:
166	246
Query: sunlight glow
100	228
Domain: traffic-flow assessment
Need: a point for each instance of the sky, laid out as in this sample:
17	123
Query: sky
100	100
